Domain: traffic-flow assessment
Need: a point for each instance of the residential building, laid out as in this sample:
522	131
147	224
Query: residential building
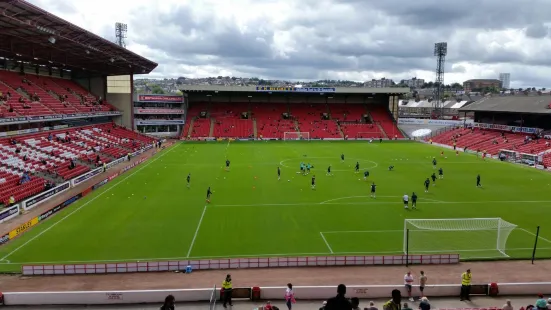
379	83
413	82
480	84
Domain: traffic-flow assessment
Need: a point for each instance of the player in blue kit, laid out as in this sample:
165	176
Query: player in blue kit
357	168
188	179
329	171
366	174
313	182
278	173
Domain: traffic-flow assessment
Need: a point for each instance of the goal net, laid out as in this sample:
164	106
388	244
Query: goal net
470	237
508	155
295	135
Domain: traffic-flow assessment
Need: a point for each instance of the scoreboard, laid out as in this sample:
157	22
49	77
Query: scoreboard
296	89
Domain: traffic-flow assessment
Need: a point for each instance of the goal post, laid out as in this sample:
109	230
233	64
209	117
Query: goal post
487	236
509	155
296	136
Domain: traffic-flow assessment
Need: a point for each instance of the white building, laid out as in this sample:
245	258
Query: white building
505	79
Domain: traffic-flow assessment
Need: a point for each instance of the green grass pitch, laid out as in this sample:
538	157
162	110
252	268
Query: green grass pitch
150	214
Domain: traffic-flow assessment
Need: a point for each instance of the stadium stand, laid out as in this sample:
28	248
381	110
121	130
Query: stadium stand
33	95
268	120
308	118
228	122
48	155
491	141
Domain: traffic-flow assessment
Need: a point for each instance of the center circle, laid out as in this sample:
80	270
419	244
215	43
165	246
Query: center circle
285	162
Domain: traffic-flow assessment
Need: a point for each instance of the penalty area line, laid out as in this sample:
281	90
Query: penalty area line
326	243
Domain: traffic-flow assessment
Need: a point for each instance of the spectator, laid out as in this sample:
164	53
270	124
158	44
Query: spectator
289	296
355	302
340	302
406	307
227	286
424	304
422	282
507	305
169	303
395	303
408	279
11	201
541	303
371	306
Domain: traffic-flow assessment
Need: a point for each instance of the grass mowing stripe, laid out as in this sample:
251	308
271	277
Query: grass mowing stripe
84	205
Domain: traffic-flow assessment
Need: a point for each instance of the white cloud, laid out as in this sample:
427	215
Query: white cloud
333	39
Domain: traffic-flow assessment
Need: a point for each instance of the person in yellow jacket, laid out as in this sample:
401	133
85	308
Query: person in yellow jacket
227	286
466	285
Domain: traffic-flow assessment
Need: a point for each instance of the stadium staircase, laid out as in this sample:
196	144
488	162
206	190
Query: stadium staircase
47	156
195	125
382	117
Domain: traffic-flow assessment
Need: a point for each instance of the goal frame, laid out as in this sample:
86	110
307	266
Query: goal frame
300	135
500	224
511	156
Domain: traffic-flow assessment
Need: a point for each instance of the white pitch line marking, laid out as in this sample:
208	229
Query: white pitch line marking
326	243
348	197
84	205
375	202
196	231
533	234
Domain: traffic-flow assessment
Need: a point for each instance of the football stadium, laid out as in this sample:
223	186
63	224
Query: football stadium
97	181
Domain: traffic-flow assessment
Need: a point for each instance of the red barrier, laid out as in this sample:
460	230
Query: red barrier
233	263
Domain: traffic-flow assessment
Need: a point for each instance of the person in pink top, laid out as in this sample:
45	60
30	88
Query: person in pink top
289	296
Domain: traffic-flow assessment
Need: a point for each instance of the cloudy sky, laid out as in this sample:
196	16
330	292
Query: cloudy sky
328	39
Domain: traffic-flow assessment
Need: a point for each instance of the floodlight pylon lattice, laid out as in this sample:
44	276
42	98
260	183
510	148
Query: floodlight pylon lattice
440	51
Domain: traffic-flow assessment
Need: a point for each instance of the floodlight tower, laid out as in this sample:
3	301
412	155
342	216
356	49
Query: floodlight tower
120	33
440	51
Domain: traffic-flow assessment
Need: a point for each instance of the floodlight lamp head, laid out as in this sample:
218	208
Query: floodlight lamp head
51	39
440	49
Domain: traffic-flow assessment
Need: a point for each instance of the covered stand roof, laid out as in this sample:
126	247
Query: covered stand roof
31	34
514	104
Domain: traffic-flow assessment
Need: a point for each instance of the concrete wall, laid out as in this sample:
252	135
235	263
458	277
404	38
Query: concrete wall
123	102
